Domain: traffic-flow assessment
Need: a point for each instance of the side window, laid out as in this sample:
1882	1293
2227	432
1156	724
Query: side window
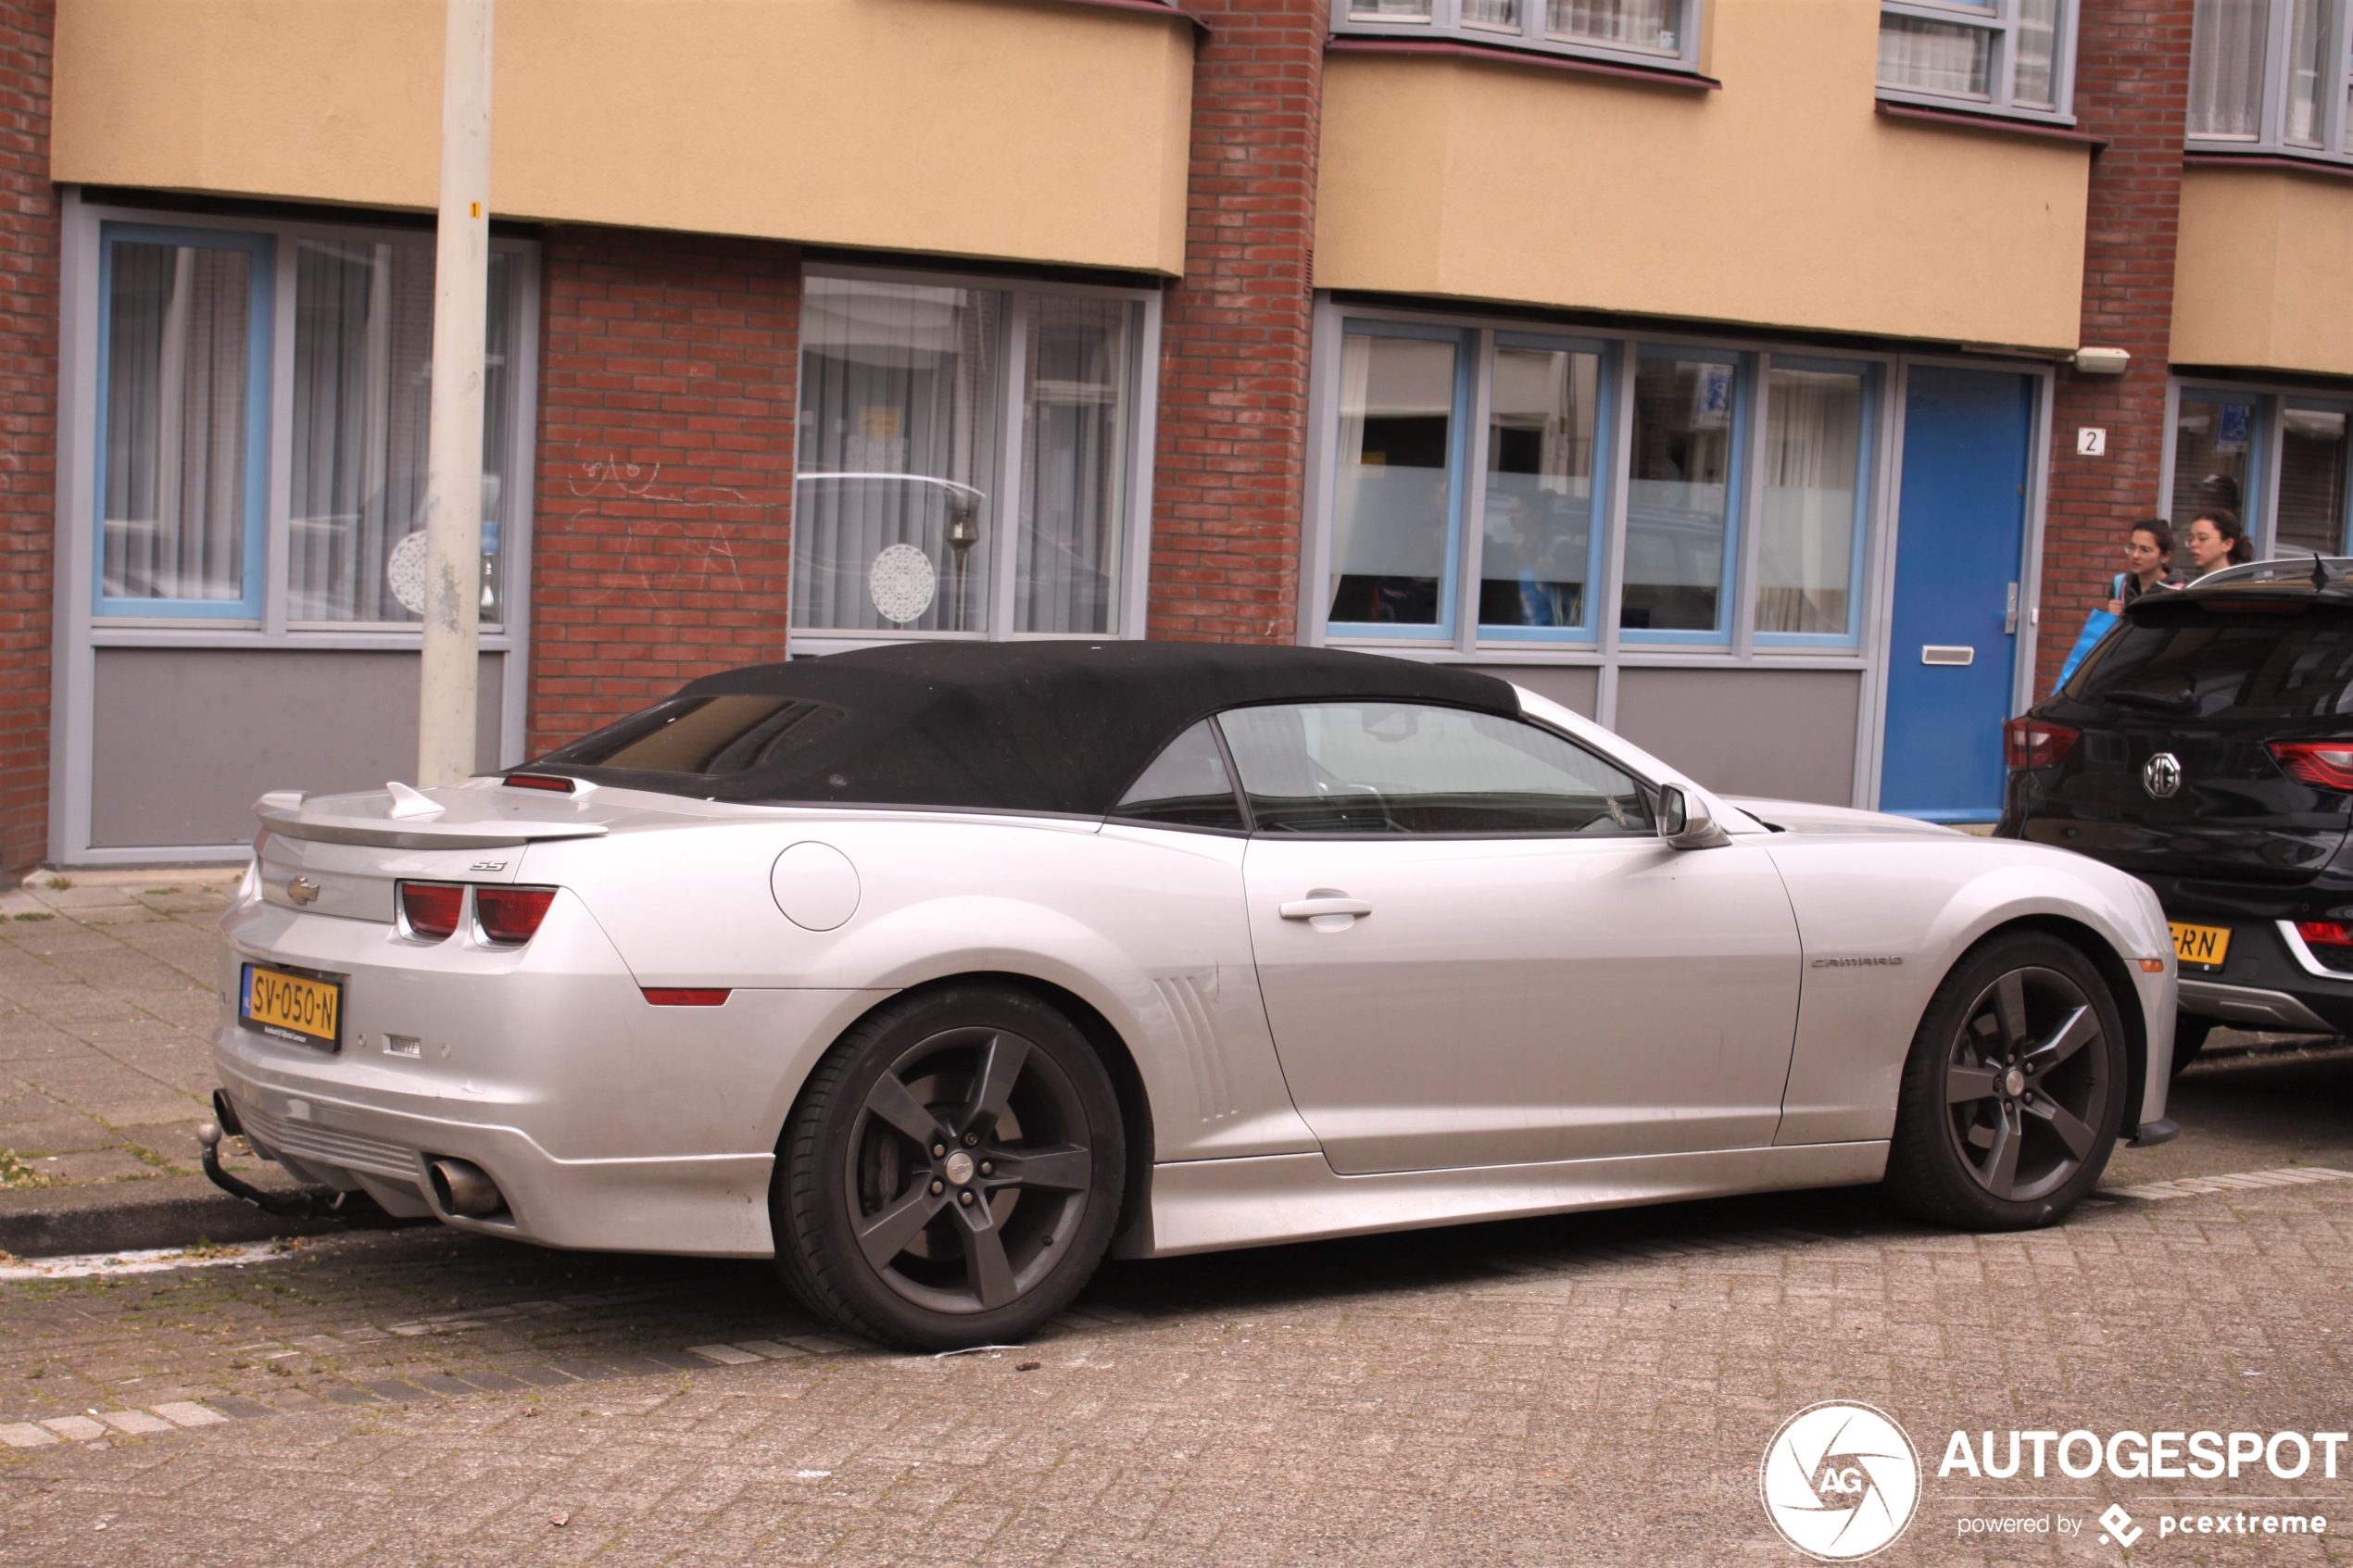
1400	768
1186	785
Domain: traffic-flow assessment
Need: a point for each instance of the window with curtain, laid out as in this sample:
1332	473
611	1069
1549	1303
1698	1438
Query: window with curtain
2227	46
1813	467
1662	34
899	451
362	404
1393	493
183	408
1536	540
2004	56
1678	493
1078	410
914	397
1628	24
185	433
2272	77
1419	540
2313	464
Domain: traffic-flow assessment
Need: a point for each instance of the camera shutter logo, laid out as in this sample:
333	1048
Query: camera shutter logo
2161	776
1839	1481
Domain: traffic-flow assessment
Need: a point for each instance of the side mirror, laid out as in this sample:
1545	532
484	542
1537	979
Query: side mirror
1685	822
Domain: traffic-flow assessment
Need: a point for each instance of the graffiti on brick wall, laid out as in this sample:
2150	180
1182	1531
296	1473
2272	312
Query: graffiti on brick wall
663	547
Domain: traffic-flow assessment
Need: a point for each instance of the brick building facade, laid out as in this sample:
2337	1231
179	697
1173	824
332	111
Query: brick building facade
1595	359
1238	331
29	427
665	462
2131	90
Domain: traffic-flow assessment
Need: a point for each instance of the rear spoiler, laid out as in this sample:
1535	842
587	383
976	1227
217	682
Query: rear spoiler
409	819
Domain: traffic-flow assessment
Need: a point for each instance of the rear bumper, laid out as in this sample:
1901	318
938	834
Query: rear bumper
715	1205
607	1123
2269	981
2251	1007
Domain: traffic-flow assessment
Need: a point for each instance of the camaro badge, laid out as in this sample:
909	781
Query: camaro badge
2161	776
1862	961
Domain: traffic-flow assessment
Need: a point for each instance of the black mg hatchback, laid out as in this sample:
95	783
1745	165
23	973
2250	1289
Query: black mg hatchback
2206	745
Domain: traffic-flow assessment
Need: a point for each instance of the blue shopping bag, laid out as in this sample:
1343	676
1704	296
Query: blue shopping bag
2095	626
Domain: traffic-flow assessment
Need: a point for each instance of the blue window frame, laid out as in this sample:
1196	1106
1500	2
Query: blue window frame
1813	496
182	422
1547	450
1398	486
1683	463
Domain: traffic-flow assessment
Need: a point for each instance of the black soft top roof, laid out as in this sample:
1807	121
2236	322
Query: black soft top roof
1061	727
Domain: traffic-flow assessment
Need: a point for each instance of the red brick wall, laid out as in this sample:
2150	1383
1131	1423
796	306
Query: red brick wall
2131	86
1234	334
664	485
27	428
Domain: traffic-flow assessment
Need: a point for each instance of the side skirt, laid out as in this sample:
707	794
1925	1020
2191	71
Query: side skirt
1206	1204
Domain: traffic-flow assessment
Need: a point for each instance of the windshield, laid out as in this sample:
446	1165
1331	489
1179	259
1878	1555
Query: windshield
2213	666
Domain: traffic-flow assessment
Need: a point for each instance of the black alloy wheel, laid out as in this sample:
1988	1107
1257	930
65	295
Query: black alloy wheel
952	1173
2014	1092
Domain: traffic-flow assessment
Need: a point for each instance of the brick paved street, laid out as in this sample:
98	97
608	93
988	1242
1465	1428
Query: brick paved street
1580	1390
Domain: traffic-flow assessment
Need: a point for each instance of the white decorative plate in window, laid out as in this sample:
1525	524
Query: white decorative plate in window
901	584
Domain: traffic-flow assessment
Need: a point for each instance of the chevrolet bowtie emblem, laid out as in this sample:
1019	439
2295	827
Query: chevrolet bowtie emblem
302	890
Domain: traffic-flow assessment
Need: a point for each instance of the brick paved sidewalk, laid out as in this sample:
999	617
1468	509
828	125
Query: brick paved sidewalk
106	1005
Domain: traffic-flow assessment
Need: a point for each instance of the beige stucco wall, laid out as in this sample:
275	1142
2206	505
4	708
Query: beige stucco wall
982	128
1783	199
2264	275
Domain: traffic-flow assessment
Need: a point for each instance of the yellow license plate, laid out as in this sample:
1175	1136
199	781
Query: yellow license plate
2205	945
291	1007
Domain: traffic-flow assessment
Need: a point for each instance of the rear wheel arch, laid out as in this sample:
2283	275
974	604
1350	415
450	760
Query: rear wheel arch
1128	1081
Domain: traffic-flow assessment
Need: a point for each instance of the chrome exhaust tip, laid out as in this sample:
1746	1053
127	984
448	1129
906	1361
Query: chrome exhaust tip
462	1187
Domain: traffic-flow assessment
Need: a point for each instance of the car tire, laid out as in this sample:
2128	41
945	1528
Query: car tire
951	1172
2026	1019
2189	1038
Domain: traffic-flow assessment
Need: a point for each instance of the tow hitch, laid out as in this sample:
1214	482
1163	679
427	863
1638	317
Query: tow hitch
311	1203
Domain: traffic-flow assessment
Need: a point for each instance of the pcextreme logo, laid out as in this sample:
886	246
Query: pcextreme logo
1839	1481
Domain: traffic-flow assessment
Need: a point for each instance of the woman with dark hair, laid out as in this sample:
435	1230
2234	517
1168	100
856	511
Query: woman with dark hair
2217	538
2148	562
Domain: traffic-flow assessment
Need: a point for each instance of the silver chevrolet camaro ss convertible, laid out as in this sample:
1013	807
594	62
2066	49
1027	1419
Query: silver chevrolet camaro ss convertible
939	973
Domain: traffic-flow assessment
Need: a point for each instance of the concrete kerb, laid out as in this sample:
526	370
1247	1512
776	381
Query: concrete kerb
133	1216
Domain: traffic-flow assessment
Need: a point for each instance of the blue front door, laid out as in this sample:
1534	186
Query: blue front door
1960	537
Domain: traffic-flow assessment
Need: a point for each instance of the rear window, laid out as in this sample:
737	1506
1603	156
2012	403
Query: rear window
704	736
2254	666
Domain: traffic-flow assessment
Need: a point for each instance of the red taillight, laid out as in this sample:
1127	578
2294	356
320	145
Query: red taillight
431	907
2324	933
2032	743
672	996
538	781
2325	763
512	915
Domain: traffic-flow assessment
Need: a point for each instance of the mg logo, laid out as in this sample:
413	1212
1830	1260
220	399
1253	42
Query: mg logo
2161	776
1839	1481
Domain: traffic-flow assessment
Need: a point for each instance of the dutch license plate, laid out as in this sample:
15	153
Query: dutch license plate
2205	945
294	1008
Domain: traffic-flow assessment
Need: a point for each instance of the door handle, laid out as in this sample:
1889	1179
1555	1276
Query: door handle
1308	909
